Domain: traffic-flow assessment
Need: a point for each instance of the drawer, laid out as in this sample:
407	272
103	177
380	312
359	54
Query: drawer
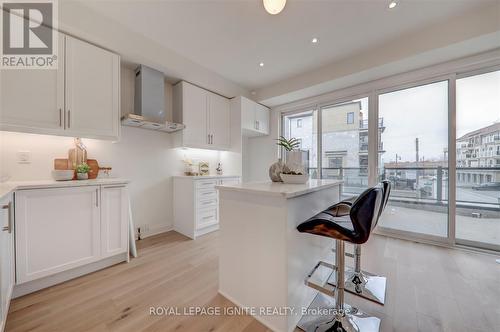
204	194
204	204
206	184
206	218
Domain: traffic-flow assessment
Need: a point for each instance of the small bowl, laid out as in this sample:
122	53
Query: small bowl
294	179
63	174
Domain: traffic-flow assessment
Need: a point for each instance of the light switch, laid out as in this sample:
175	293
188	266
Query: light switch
24	157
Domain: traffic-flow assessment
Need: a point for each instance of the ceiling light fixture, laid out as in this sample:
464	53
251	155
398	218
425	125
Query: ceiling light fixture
274	7
261	64
393	4
314	40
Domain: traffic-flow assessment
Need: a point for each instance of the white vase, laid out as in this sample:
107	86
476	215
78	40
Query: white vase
294	161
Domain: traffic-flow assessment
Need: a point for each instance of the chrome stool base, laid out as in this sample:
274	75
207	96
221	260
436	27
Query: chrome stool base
365	284
322	316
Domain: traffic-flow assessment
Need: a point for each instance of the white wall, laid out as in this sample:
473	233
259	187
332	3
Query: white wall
147	158
260	152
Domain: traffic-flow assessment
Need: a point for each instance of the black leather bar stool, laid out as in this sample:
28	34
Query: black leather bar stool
354	228
359	282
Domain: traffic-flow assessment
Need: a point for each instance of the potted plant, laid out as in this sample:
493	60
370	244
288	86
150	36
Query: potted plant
82	171
293	162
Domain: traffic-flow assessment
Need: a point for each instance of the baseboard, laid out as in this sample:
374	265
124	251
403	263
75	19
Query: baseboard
156	231
259	319
35	285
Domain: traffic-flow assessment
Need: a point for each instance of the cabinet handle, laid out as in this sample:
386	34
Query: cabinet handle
60	117
208	138
97	197
117	186
212	138
8	228
69	118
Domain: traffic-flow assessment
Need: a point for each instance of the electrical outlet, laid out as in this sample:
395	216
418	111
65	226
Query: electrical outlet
24	157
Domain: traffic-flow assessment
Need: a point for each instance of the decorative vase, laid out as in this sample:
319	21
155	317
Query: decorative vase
82	176
294	161
275	170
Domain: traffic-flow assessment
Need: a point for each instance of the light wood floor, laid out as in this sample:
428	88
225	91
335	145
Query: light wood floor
429	289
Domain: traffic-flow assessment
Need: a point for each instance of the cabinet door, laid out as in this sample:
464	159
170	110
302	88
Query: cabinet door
194	116
92	91
114	220
219	121
33	100
248	114
262	119
6	257
56	230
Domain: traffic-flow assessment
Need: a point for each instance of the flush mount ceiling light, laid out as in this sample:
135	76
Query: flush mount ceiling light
274	7
314	40
261	64
393	4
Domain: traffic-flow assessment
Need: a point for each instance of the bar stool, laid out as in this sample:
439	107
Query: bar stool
354	228
357	281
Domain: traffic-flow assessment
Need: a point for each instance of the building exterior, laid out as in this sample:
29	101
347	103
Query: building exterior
344	137
477	152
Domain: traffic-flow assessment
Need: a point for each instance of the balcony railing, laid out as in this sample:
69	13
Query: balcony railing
363	124
426	185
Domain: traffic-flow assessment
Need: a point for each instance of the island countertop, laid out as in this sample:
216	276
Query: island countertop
281	189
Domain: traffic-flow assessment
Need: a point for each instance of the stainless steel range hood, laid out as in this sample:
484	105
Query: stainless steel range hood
149	102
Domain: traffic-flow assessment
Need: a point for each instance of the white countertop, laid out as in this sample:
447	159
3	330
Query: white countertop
8	187
281	189
197	177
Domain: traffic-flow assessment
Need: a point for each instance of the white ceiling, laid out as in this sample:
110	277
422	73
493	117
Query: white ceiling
232	37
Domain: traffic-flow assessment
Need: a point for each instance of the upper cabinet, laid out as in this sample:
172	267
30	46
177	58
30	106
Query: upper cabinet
254	117
206	116
80	98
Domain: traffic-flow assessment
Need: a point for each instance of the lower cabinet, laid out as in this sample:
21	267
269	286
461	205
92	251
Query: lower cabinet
7	274
114	220
196	204
58	229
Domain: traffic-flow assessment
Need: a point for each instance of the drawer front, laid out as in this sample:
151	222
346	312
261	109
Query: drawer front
206	218
207	204
206	194
229	181
206	184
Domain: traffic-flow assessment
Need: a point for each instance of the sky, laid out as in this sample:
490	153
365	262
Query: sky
423	112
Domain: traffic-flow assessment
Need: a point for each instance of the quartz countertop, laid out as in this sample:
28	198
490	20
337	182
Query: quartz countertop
280	189
8	187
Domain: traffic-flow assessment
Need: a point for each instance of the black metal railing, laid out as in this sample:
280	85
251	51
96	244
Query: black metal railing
476	186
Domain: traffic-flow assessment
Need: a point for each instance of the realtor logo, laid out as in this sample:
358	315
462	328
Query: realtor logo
29	35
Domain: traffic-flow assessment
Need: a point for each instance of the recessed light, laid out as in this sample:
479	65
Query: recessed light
314	40
393	4
261	64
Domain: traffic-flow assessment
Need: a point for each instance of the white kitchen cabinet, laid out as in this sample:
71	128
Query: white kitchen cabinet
219	125
80	98
254	116
196	204
92	90
33	100
7	267
56	229
206	116
114	220
262	119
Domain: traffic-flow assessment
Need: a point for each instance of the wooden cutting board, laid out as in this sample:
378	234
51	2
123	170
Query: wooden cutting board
94	168
62	164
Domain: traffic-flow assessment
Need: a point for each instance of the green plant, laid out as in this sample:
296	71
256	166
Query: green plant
83	168
288	144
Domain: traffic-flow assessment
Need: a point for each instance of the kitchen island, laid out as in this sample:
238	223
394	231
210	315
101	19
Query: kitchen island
264	260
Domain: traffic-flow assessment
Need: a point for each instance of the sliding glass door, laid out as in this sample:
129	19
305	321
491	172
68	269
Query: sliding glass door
344	144
415	158
303	126
478	160
446	185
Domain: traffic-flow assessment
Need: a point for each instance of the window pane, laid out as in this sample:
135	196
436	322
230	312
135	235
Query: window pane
303	127
478	159
345	144
416	158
